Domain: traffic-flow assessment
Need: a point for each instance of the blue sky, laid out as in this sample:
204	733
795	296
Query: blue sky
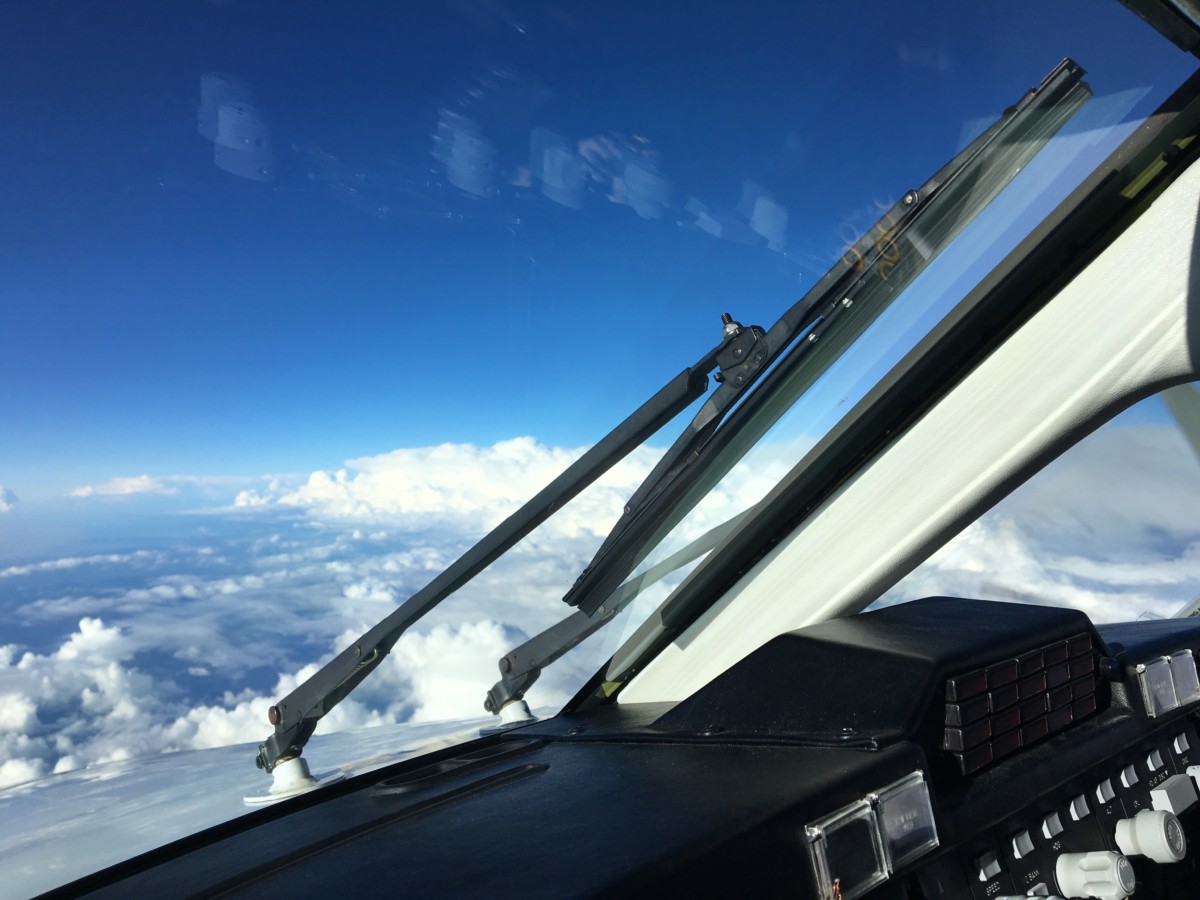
164	316
253	394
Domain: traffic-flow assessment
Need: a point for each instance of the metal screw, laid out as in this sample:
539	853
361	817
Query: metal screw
578	729
505	665
737	352
273	715
910	198
846	301
358	650
729	328
812	338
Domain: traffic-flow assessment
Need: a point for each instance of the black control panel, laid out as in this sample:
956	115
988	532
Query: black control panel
1018	856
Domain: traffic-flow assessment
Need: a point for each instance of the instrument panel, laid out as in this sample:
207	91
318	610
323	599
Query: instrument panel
832	763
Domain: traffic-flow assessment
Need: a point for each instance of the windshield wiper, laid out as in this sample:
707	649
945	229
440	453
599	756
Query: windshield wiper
296	716
521	666
876	268
737	363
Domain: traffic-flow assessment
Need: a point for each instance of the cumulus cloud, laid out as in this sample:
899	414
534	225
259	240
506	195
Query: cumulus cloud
469	487
88	703
7	499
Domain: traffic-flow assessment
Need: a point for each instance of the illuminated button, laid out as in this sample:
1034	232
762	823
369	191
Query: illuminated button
1180	744
1079	808
1022	844
988	866
1052	826
1105	792
1154	760
1129	777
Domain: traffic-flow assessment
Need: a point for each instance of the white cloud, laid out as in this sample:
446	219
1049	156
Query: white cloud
7	499
17	713
74	562
138	484
141	657
250	498
15	771
468	487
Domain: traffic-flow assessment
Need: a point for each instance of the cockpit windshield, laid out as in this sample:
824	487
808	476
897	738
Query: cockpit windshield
302	302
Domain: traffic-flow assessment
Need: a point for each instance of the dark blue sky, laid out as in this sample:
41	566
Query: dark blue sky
162	314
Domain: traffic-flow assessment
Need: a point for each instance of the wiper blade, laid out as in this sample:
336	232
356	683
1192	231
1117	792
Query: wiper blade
521	666
877	267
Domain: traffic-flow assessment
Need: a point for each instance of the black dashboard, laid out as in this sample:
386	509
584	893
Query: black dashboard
943	749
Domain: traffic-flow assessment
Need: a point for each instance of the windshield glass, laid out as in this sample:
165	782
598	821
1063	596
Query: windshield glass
300	302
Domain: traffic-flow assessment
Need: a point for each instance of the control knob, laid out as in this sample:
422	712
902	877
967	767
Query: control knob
1155	833
1102	874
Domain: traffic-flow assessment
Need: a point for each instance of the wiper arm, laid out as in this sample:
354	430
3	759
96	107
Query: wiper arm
742	357
296	716
521	666
878	266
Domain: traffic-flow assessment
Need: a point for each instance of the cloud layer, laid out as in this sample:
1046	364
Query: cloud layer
184	644
185	647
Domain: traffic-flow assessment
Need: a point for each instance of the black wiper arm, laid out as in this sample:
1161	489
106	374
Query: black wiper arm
521	666
879	265
296	716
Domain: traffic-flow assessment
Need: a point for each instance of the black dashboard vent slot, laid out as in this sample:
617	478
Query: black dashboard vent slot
994	711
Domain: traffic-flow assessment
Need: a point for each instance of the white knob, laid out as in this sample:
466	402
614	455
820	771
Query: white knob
1103	874
1155	833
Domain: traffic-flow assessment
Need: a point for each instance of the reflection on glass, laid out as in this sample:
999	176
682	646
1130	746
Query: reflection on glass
239	131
